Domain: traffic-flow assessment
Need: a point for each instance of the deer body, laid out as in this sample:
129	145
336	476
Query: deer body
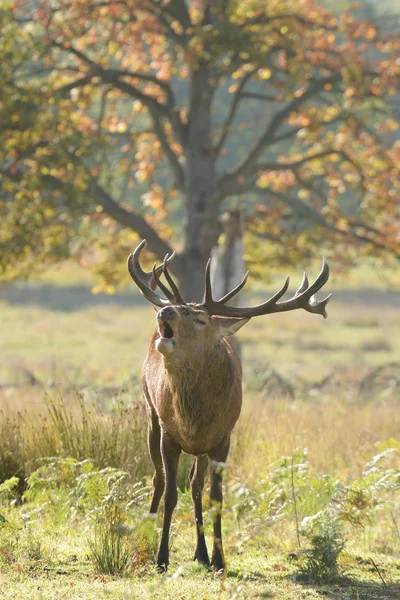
196	403
192	381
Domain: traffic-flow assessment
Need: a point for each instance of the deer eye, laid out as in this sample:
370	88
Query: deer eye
199	322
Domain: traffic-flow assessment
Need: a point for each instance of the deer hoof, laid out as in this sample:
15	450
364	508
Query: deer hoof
162	564
218	563
202	558
161	568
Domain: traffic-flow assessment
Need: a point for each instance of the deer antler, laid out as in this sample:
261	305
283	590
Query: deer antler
303	298
147	281
177	295
207	299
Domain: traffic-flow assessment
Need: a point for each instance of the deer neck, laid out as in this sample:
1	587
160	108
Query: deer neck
193	384
184	372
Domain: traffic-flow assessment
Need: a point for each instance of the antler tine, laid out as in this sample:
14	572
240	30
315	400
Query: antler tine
321	279
303	298
142	279
303	286
319	306
314	305
160	284
207	298
177	295
272	301
235	290
159	270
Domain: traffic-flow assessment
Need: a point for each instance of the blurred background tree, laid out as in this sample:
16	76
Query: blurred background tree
127	119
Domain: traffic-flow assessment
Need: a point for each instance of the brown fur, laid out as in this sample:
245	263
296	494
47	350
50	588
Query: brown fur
194	398
197	401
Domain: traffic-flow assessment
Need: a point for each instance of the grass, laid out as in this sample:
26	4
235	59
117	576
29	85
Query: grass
106	344
86	354
109	551
50	553
250	577
262	563
70	427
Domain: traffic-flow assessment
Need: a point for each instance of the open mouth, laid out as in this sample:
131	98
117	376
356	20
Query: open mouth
165	330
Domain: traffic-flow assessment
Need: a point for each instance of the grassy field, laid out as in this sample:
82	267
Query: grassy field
321	400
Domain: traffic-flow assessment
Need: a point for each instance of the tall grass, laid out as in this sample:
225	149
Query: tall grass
340	435
109	551
114	437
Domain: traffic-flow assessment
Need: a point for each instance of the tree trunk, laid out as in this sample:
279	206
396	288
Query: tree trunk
201	219
227	264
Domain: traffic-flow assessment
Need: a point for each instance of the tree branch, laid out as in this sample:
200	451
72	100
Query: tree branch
232	112
116	73
268	136
156	111
129	219
310	212
111	76
64	89
180	12
266	19
160	10
308	185
256	169
169	153
291	133
255	96
283	166
302	208
155	108
124	217
143	77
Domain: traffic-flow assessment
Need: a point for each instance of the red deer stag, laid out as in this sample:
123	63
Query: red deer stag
192	383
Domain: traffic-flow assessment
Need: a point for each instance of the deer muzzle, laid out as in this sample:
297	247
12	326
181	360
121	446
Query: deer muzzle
167	333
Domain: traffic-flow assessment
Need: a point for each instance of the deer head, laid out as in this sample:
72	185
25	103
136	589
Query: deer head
183	325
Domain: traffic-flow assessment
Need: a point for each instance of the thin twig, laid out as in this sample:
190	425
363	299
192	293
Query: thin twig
378	571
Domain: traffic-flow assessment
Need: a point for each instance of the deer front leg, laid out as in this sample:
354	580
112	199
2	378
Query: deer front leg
170	452
217	464
154	443
196	485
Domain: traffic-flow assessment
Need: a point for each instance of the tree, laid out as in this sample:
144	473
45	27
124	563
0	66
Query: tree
132	113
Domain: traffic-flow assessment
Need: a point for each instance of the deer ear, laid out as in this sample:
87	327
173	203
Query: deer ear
228	325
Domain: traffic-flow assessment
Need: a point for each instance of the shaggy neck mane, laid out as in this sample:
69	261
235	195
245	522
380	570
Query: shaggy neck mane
189	382
183	374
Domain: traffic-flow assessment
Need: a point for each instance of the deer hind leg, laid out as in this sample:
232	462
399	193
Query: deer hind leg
170	451
196	484
217	463
154	443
